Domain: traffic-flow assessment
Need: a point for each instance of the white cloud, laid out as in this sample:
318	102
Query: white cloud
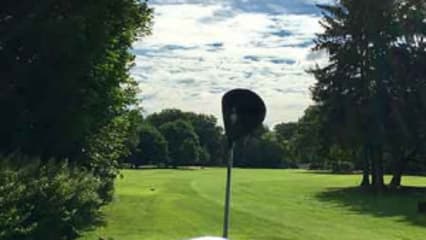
201	49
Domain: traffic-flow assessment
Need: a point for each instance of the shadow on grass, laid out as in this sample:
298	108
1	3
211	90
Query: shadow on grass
402	202
329	172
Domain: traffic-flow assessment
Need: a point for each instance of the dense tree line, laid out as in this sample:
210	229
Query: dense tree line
370	98
262	149
173	138
205	127
176	138
65	97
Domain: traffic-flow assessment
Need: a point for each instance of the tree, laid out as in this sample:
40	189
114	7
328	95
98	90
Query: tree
64	71
65	91
372	90
311	140
166	116
261	150
189	152
205	158
286	131
135	127
286	134
352	89
183	142
274	154
408	106
210	135
152	147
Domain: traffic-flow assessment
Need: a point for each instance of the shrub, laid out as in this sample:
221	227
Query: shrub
105	150
49	200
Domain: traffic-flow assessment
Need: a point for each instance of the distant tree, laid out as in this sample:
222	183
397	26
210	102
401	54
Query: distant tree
261	150
189	152
286	131
182	139
260	131
311	142
286	134
165	116
152	147
272	152
209	133
210	136
205	158
135	127
246	150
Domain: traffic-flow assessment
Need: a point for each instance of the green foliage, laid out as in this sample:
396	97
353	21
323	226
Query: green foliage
64	71
210	136
45	200
311	141
65	93
286	131
262	150
152	147
305	141
200	144
105	151
205	126
65	89
189	152
308	141
182	141
205	157
136	123
351	89
272	153
370	92
165	116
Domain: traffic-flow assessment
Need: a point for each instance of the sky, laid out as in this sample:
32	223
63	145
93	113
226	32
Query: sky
200	49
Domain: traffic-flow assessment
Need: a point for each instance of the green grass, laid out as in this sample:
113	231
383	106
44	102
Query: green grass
266	204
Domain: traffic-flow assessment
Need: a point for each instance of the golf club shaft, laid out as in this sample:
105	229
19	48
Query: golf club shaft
228	191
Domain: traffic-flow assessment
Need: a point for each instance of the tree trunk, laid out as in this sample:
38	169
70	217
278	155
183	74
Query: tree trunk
366	165
400	164
373	162
396	179
397	168
378	180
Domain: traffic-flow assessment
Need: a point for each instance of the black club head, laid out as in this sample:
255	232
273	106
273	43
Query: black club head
243	111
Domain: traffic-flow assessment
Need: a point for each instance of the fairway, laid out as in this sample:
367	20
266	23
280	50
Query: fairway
266	204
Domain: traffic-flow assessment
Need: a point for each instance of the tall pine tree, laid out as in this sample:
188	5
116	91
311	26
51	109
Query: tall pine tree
352	89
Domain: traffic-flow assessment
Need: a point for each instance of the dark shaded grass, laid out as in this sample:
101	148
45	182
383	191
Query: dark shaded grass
402	202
